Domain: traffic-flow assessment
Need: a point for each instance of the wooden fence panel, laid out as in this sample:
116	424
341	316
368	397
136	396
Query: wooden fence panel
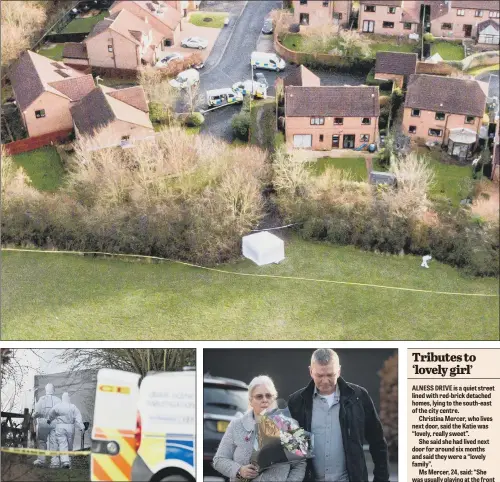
32	143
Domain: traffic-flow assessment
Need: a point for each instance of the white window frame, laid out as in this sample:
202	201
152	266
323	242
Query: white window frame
494	14
460	12
370	11
415	115
435	135
410	129
478	13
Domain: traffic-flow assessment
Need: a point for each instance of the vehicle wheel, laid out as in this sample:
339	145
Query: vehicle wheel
174	478
200	48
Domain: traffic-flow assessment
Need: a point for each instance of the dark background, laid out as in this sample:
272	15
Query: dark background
289	367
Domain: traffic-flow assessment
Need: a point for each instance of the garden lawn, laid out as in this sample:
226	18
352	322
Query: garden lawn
84	25
448	178
50	296
216	19
448	50
293	41
54	53
355	165
43	166
391	47
482	69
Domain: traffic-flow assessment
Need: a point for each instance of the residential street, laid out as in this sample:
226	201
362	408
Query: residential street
224	69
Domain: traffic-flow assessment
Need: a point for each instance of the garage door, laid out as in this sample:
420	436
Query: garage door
302	140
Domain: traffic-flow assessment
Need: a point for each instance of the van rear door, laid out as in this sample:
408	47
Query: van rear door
115	422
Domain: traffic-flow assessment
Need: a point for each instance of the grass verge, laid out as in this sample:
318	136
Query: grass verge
76	297
208	19
482	69
43	166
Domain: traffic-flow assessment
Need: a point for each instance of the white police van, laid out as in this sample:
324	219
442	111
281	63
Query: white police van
144	430
223	96
266	60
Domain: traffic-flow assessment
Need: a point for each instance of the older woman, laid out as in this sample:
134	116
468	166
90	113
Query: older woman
235	450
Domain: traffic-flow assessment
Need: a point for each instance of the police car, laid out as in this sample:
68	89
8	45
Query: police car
144	430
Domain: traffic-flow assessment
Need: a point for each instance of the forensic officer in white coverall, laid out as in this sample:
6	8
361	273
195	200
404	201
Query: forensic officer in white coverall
44	432
66	416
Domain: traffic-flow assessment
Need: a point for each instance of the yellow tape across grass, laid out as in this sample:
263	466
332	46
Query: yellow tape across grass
255	275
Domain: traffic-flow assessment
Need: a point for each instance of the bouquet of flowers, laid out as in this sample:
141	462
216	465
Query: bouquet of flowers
279	439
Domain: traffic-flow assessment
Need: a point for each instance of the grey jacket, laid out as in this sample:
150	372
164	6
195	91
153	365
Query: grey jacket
235	450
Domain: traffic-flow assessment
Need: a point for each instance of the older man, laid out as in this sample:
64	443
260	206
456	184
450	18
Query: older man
341	416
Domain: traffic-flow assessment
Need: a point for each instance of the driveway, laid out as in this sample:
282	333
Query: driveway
492	79
230	62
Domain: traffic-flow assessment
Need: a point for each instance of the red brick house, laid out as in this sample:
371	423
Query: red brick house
325	118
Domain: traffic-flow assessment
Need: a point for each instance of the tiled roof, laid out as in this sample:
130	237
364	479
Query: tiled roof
170	16
331	101
302	76
75	88
33	74
445	94
134	96
103	105
484	25
476	4
395	63
75	50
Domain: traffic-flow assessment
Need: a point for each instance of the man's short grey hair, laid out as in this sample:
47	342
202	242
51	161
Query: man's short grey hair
262	380
323	356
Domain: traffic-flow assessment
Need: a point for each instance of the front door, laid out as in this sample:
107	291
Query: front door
368	26
468	31
349	141
336	142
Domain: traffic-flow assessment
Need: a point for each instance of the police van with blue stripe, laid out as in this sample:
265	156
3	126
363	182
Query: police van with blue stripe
144	429
266	60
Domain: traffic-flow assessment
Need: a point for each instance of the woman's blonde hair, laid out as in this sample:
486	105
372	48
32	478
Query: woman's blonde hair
262	380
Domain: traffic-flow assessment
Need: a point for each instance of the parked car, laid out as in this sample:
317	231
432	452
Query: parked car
199	65
185	79
224	400
268	27
195	43
173	57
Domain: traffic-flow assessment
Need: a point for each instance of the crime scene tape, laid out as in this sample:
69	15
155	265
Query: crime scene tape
52	453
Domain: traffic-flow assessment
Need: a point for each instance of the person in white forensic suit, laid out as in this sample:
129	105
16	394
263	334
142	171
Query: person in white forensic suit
65	416
45	434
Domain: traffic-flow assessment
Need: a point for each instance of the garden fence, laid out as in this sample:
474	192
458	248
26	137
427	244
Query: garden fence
32	143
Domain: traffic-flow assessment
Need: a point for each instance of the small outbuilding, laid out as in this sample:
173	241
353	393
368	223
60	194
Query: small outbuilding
263	248
461	142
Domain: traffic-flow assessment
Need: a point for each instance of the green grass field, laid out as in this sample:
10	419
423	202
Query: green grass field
84	25
43	166
391	47
216	19
57	296
293	41
448	50
54	53
355	165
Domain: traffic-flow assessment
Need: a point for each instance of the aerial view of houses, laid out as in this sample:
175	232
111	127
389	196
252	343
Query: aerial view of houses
240	170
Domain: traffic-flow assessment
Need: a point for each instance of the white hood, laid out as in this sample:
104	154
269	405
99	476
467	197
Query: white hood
49	389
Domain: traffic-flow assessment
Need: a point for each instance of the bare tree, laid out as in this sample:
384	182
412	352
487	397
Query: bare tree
193	98
137	360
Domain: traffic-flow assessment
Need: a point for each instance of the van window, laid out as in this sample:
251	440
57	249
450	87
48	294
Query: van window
272	61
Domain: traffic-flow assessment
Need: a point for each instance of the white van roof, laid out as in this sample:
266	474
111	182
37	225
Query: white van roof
263	54
220	91
189	73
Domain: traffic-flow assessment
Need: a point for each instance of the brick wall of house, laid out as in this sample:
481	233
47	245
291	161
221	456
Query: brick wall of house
458	23
112	134
57	115
123	56
427	120
320	13
382	15
351	125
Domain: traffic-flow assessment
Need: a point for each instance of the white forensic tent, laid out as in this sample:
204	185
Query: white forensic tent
263	248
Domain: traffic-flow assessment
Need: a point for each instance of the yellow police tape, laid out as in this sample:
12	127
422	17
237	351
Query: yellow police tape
24	451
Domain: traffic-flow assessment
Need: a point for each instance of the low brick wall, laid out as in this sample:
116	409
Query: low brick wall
32	143
441	68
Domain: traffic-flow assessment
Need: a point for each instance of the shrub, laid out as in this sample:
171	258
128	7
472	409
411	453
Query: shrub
429	38
279	140
178	197
158	112
195	119
241	124
384	100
